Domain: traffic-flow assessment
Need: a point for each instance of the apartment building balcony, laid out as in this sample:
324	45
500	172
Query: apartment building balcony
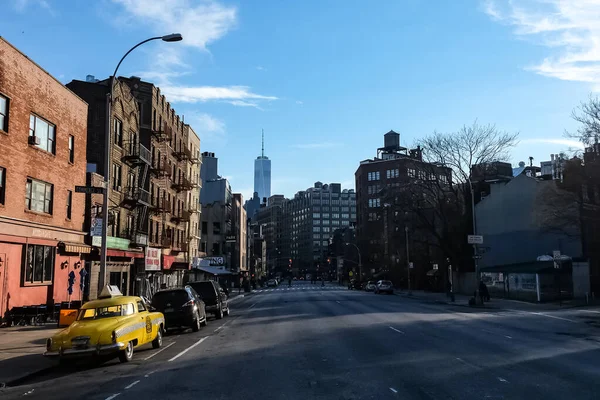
160	168
183	154
135	197
183	184
160	206
162	133
136	237
193	208
181	218
195	159
181	247
161	242
136	154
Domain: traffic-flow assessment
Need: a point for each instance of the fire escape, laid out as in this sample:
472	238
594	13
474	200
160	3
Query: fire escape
161	170
136	199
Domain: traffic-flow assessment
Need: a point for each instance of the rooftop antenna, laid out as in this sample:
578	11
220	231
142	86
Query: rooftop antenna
263	143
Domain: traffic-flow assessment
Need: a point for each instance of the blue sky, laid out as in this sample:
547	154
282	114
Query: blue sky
326	79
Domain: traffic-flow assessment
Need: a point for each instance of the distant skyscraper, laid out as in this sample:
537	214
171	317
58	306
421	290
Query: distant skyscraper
262	174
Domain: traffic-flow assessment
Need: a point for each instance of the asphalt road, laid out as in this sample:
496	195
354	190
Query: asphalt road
310	342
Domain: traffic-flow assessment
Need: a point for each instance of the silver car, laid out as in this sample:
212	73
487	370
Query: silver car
370	286
384	287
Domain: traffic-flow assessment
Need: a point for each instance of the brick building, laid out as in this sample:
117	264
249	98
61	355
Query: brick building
174	183
42	159
128	193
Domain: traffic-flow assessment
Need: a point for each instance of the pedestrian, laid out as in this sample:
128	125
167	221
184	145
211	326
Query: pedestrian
482	290
448	288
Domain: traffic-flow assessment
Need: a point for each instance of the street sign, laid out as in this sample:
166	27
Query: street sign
89	189
230	238
475	239
477	257
411	265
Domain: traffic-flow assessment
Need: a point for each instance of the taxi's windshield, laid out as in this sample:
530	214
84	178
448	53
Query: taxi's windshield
105	312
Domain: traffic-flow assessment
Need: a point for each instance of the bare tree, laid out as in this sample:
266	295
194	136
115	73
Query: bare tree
439	199
588	116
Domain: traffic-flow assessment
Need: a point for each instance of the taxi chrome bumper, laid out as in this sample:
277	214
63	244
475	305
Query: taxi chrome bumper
90	351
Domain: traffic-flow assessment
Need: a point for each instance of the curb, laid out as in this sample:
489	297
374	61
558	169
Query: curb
449	303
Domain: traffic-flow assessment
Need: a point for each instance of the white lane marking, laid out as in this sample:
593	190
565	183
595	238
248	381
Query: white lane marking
112	397
502	379
219	328
188	349
338	302
26	393
590	311
393	390
543	315
252	305
508	337
159	351
132	385
149	373
396	330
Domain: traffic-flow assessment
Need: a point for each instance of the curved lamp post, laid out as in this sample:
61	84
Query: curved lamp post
173	37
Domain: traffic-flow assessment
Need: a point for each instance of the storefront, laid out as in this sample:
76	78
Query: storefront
35	270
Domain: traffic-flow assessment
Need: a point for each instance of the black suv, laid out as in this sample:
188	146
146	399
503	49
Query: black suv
214	297
181	307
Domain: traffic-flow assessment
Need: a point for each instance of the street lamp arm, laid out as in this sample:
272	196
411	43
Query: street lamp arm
126	54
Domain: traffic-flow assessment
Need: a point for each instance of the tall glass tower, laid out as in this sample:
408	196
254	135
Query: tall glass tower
262	174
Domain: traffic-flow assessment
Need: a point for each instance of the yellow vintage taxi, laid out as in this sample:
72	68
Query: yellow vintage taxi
112	325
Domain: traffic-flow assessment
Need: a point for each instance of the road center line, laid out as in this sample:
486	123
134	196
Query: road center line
502	379
112	396
542	315
508	337
252	305
338	302
149	373
159	351
589	311
396	330
132	385
393	390
188	349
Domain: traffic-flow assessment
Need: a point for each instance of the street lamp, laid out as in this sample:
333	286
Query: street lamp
475	252
359	260
173	37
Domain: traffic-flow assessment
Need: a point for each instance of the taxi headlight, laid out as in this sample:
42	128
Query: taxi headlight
113	336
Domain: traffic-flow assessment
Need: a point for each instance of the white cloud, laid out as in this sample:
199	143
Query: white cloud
261	68
299	102
206	126
563	142
318	145
236	95
569	28
21	5
199	21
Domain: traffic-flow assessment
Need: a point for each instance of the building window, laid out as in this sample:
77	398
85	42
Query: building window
216	228
443	179
317	236
345	216
38	196
411	173
38	264
316	215
71	149
326	229
118	132
4	102
2	184
373	176
204	228
43	132
326	222
116	177
392	173
346	223
316	229
326	215
374	203
69	203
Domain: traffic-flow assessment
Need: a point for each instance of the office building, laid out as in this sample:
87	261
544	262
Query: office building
262	174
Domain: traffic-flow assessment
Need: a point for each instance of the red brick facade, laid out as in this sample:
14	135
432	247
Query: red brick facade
31	91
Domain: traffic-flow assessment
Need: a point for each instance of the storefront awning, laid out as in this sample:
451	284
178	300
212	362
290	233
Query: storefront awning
215	271
76	248
180	265
122	253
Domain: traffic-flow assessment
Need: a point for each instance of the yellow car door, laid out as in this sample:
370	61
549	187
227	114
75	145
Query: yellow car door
147	331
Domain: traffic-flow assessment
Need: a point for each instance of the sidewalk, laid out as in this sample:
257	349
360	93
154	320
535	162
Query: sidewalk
495	303
21	349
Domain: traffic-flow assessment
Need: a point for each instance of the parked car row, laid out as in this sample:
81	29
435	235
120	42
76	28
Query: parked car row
381	286
111	325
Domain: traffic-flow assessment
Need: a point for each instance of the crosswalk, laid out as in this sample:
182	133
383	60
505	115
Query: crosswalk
299	288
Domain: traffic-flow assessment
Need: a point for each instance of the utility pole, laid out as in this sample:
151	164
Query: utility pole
407	260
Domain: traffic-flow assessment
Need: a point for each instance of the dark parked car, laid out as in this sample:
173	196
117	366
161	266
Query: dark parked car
384	287
214	297
182	308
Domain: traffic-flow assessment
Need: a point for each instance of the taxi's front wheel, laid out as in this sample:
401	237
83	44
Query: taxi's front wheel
127	354
156	343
